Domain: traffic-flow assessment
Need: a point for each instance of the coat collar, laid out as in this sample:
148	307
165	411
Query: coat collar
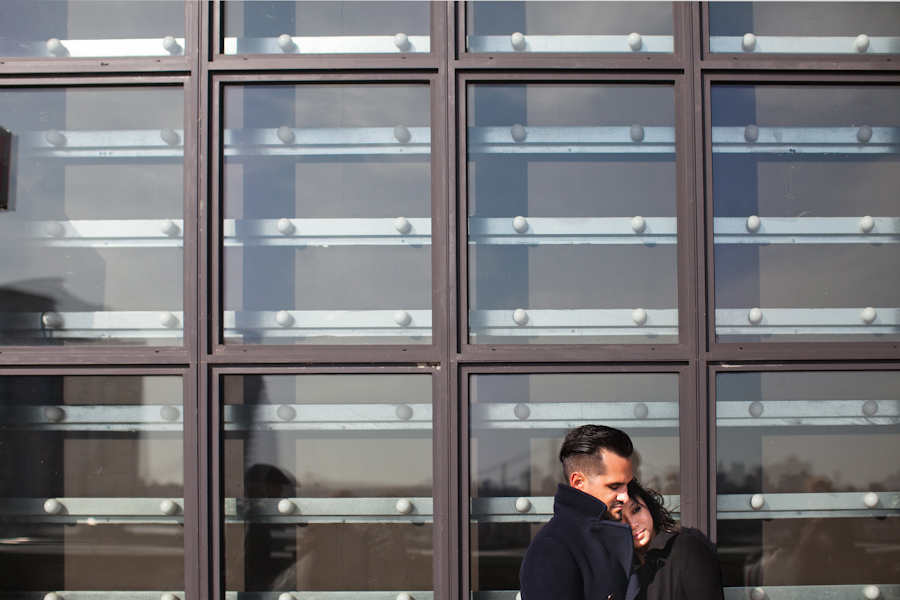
577	504
660	540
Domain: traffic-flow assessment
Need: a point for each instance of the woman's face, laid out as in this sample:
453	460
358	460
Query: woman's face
638	516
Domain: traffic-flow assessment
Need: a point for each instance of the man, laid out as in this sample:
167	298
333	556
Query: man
582	553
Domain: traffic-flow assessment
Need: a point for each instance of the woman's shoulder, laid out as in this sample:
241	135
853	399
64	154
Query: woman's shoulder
685	543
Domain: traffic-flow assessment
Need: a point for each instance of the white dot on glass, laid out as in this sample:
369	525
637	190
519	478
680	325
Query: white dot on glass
520	224
285	506
167	319
755	316
404	506
869	408
748	42
751	133
285	134
518	132
52	506
521	411
753	223
168	226
639	316
53	413
871	500
54	137
401	132
757	501
284	318
51	319
168	507
286	412
402	318
523	504
871	592
861	43
401	40
756	409
170	136
636	132
404	412
520	316
56	47
867	224
169	413
864	133
284	226
868	315
285	42
402	224
170	44
641	411
634	41
517	40
638	224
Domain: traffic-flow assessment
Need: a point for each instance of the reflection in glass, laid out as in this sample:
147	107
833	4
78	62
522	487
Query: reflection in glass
534	26
517	424
91	483
331	27
95	218
806	476
857	28
571	205
328	483
806	215
87	28
327	202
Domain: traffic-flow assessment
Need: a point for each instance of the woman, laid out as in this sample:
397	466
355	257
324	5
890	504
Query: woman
670	565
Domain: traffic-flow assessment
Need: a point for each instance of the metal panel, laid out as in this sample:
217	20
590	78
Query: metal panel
328	417
106	143
571	140
327	510
569	415
345	44
808	230
325	141
812	592
122	233
92	511
797	44
415	594
94	325
808	412
807	321
571	43
579	322
574	230
806	506
806	140
333	323
327	232
92	48
103	417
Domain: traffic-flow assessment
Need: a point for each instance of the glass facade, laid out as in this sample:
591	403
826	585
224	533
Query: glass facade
299	299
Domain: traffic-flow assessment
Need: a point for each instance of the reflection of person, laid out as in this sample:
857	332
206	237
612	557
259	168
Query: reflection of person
580	553
671	565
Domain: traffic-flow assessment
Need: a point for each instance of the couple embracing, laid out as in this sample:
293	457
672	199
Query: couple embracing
610	538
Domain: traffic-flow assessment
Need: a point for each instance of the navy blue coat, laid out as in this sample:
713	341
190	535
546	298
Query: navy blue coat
579	555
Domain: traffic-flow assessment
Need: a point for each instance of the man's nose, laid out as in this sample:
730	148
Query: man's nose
623	496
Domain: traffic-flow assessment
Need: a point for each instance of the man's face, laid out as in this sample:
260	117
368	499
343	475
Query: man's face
611	488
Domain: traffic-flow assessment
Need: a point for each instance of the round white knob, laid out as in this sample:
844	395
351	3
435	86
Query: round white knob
168	226
170	44
757	501
871	499
168	507
401	132
639	316
167	319
285	506
641	411
634	41
170	136
755	316
638	224
518	595
864	133
521	411
757	594
285	596
401	40
285	134
284	318
286	412
55	229
872	592
748	42
861	43
869	408
523	504
753	223
284	226
520	316
868	315
636	132
404	596
402	224
520	224
404	506
866	224
169	413
54	137
168	596
518	132
52	506
51	319
52	596
517	40
285	42
404	412
54	413
55	47
402	318
756	408
751	133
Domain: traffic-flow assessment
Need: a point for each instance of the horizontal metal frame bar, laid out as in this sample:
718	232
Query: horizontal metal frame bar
807	412
94	417
416	595
797	44
569	415
92	511
807	321
104	143
578	322
328	510
95	325
571	43
99	48
570	140
327	141
94	595
98	233
334	44
806	230
540	509
573	230
805	140
806	506
812	592
332	323
328	417
327	232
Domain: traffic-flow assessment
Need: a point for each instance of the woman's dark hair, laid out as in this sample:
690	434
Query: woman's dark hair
662	518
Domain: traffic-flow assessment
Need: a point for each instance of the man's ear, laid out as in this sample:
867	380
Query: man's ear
577	480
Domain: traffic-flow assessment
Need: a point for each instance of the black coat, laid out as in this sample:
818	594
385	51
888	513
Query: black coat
679	566
578	555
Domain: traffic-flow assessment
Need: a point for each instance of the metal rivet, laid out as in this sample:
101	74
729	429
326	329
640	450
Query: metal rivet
54	137
864	133
284	226
170	136
872	592
285	134
638	224
753	223
54	229
757	594
52	596
168	596
751	133
402	224
168	507
866	224
518	595
401	40
639	316
169	413
404	596
861	43
285	596
404	506
520	316
634	41
755	316
748	42
167	319
404	412
285	42
868	315
168	226
869	408
521	411
170	44
756	409
871	500
518	132
517	40
284	318
757	501
285	506
402	318
636	132
286	412
56	47
402	134
641	411
52	506
520	224
54	413
51	319
523	504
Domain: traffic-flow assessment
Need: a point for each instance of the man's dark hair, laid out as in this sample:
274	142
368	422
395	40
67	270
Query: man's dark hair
582	448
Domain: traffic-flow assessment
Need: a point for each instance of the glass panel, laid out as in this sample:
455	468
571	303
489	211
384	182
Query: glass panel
91	485
571	200
327	231
807	218
331	27
517	424
632	27
856	28
87	28
808	484
328	483
95	219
